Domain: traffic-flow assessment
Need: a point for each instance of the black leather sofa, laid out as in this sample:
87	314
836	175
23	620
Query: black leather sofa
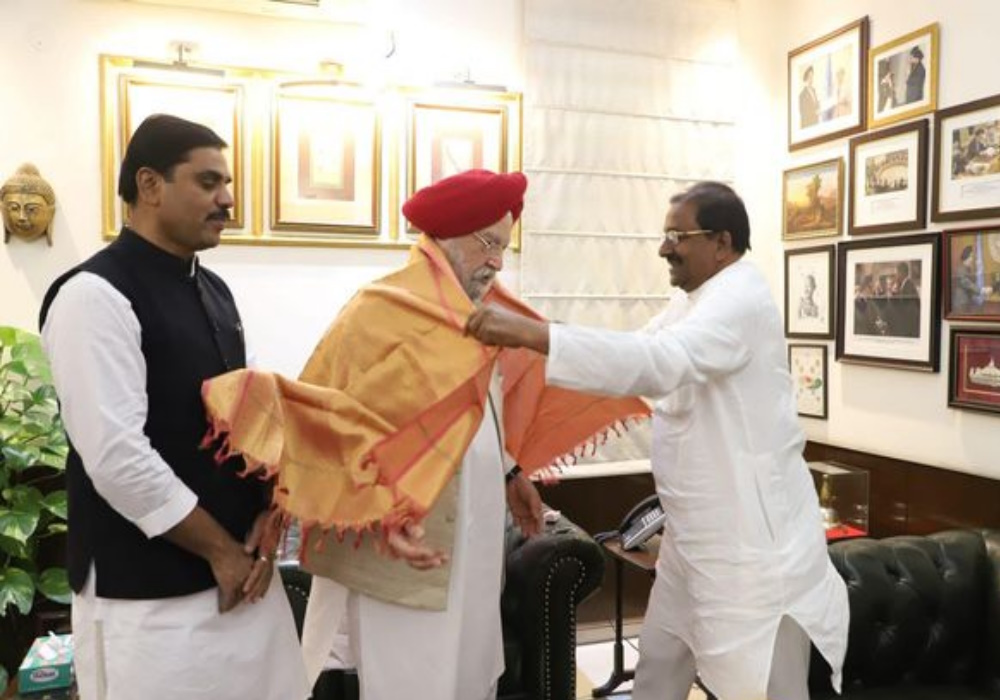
546	577
925	618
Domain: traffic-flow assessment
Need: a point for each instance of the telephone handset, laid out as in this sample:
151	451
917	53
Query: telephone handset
642	522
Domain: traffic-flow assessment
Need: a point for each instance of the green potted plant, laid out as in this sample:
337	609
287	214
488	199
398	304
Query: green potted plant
32	493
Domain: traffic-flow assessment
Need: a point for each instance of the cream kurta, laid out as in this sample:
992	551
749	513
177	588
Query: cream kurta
743	543
405	652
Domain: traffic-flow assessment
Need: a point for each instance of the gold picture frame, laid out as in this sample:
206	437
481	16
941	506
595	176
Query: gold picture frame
133	91
903	77
812	200
461	129
326	161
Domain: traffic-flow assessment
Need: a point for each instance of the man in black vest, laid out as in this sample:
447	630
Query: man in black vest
169	559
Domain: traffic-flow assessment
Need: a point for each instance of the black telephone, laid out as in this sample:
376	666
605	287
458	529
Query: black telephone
642	522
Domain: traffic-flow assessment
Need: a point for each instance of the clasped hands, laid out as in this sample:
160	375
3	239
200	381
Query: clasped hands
244	573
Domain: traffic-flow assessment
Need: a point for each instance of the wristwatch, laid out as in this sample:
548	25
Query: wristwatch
512	474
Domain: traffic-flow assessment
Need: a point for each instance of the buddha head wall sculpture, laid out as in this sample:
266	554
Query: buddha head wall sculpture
28	203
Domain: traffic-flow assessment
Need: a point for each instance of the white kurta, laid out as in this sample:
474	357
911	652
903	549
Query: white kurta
151	649
454	654
743	544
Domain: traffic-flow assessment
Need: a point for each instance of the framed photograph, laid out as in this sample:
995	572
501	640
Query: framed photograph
974	369
326	158
887	308
809	292
972	275
903	77
888	180
131	94
455	130
826	86
812	200
807	364
967	161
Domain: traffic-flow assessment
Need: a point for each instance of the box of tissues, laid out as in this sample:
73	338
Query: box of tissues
48	664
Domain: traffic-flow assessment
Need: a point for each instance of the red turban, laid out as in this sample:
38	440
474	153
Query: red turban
467	202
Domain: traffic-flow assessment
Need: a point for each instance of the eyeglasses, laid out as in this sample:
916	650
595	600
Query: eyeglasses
673	236
490	247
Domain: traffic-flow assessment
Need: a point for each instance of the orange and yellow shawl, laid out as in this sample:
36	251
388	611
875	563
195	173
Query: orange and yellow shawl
390	400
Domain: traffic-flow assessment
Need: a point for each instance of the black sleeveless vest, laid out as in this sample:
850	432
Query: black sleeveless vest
191	331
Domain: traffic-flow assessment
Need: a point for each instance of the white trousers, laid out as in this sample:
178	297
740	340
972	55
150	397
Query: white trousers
666	668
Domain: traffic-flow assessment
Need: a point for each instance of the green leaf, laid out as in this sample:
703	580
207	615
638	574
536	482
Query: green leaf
17	367
54	585
17	589
27	499
56	528
13	548
15	459
18	525
8	335
55	503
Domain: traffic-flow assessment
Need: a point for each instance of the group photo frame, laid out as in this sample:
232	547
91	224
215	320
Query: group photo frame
887	181
813	200
974	369
966	175
827	87
972	274
808	367
888	300
809	292
903	77
326	159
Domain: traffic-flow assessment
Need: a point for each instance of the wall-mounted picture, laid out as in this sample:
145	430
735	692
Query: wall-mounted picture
972	274
888	180
460	130
809	292
974	369
216	103
808	366
903	77
967	161
812	200
325	161
887	307
826	86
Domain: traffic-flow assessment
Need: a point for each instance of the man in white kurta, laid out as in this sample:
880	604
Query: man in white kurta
743	580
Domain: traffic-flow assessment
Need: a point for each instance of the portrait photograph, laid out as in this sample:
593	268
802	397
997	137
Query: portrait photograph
808	367
809	292
812	200
826	86
887	185
972	274
974	369
887	302
903	77
325	162
967	161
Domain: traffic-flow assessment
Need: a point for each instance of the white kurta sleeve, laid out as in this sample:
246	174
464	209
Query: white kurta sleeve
644	363
93	341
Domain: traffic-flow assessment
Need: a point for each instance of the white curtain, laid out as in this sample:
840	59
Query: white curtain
626	103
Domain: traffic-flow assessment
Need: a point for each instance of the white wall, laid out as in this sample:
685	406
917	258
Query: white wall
892	412
50	116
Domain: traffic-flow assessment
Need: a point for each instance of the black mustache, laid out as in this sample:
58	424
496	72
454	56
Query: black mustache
221	215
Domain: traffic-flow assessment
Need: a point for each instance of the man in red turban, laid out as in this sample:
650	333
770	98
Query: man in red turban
405	429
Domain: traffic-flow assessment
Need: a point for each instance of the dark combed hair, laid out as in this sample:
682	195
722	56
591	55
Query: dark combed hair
161	142
719	208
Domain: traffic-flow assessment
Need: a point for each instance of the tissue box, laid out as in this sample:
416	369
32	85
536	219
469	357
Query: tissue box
48	664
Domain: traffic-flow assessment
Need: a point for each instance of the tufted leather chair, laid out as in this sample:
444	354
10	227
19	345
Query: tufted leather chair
546	577
925	618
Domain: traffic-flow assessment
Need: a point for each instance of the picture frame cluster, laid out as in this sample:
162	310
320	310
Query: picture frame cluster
880	299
